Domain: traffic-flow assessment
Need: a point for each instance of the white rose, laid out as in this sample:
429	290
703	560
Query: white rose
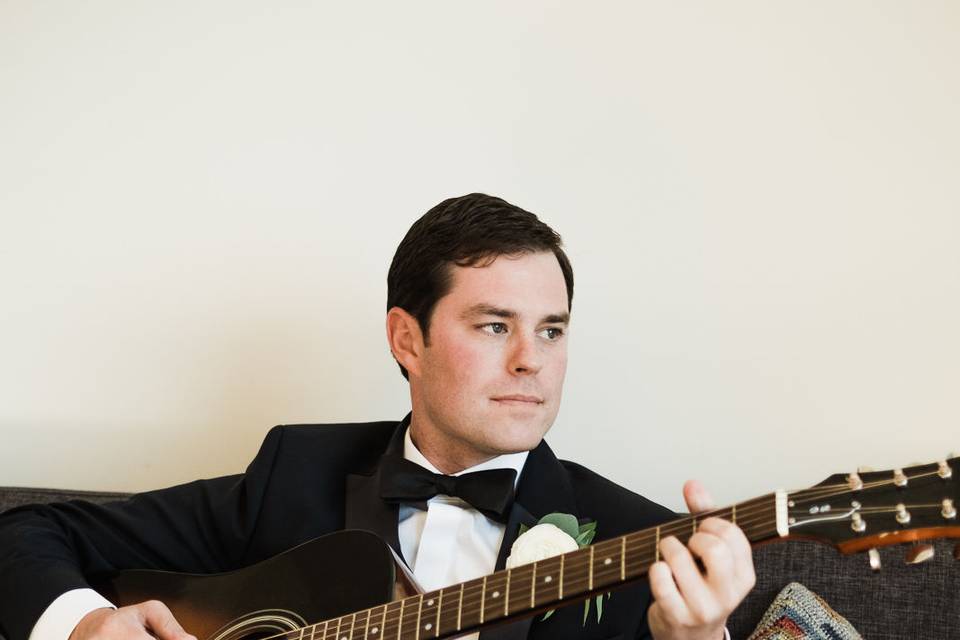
539	542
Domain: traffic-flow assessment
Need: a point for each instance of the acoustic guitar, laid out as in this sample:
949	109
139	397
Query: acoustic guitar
372	596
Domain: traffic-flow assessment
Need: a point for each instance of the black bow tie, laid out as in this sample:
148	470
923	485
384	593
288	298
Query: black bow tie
489	492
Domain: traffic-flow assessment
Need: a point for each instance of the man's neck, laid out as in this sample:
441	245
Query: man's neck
448	457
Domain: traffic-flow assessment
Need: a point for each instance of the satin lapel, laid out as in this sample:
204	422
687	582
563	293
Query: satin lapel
364	509
543	488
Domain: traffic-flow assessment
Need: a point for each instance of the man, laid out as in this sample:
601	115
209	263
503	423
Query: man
479	297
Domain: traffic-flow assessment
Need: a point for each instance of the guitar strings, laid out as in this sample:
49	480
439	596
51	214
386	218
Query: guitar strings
818	493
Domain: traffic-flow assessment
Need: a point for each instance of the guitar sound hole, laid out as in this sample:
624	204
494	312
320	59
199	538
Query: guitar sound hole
260	624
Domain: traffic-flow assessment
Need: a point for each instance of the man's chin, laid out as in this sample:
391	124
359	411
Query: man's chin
526	440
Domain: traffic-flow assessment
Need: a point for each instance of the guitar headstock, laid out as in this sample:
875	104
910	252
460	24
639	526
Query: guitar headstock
860	511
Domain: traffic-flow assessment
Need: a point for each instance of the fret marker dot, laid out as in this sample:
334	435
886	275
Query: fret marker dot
607	561
374	630
430	602
548	579
496	594
428	626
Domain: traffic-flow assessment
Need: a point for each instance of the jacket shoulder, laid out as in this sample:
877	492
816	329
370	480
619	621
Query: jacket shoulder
616	509
354	447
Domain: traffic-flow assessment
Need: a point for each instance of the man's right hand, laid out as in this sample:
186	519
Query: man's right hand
144	621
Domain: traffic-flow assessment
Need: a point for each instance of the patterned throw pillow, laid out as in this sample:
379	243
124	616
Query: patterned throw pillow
799	614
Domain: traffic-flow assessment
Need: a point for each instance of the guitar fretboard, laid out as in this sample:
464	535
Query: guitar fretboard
537	586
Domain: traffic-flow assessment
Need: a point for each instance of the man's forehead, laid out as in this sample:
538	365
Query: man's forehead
511	286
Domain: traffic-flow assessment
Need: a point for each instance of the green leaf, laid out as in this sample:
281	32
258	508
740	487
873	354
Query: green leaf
563	521
590	526
547	615
599	607
586	610
585	538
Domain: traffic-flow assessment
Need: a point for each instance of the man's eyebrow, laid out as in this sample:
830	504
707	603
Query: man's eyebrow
484	309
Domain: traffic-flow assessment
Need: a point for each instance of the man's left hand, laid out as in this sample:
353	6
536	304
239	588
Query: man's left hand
691	604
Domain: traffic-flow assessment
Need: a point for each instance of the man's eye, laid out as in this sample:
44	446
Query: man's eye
495	327
553	333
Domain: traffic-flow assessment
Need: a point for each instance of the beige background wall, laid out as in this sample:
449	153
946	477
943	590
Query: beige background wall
200	200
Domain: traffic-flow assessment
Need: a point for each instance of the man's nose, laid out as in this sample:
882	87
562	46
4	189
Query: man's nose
525	356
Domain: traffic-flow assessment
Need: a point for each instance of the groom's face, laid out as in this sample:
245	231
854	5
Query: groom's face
492	375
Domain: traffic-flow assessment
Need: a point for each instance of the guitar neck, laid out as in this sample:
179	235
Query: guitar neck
538	586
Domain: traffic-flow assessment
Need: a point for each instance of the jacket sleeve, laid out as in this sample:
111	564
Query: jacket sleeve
199	527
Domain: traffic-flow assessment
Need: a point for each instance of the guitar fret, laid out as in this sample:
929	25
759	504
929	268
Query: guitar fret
460	607
302	629
366	627
533	587
590	582
483	598
400	619
561	577
658	544
439	607
506	597
353	624
383	623
623	558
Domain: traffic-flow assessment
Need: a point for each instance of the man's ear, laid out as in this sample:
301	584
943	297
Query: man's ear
405	339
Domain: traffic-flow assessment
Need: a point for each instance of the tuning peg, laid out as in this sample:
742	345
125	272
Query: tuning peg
903	516
857	523
899	478
920	553
944	470
854	482
874	556
948	511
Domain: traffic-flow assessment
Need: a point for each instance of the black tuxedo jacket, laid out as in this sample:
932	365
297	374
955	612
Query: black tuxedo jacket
306	481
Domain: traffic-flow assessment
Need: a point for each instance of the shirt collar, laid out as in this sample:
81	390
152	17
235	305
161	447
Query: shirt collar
513	461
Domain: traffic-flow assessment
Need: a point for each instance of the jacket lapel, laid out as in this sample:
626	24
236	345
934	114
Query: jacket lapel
544	488
364	508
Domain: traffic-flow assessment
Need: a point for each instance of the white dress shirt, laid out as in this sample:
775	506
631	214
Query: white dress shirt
451	542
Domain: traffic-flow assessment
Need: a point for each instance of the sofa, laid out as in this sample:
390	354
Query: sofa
899	601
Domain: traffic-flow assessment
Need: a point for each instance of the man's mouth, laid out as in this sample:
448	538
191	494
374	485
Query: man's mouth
518	399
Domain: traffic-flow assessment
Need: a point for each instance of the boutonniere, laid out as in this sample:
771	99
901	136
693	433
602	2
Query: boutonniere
553	535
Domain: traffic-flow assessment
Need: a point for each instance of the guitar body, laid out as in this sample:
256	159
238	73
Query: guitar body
327	577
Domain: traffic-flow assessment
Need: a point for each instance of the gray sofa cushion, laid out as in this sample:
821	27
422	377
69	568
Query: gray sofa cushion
11	497
899	601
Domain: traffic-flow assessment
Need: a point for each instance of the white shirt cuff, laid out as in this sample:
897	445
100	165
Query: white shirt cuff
59	619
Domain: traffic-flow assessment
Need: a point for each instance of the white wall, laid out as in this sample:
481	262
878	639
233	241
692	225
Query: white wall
200	200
